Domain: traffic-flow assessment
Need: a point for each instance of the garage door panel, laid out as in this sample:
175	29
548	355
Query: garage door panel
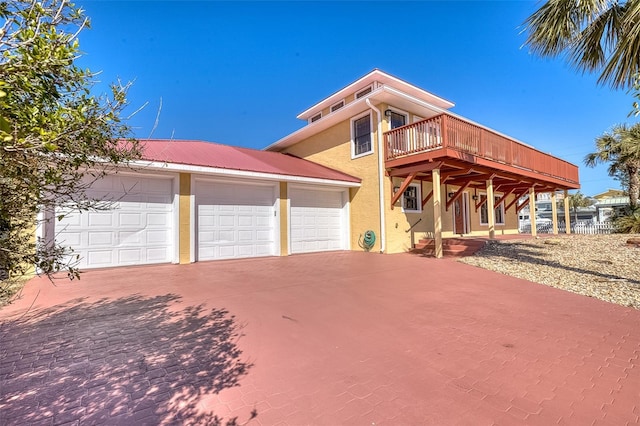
130	256
234	220
317	220
136	229
226	220
99	258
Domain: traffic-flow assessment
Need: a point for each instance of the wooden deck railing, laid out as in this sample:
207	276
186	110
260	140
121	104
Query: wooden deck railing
447	131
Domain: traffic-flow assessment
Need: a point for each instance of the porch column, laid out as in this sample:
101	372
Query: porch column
437	213
532	211
554	213
491	209
567	216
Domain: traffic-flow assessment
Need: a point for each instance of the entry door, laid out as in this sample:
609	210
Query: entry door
461	215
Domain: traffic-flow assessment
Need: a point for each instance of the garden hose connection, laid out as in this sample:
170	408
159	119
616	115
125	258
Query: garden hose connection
368	241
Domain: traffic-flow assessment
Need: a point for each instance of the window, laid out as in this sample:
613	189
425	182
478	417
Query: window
364	92
396	119
337	106
315	118
412	199
361	136
484	211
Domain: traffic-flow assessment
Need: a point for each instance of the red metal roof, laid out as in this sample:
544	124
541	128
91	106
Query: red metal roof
209	154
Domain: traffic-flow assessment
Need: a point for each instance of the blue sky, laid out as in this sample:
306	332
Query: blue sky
238	73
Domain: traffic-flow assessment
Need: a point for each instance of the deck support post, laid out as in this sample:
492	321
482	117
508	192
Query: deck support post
554	212
567	216
437	213
491	209
532	211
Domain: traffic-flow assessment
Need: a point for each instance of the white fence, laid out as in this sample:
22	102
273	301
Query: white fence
576	228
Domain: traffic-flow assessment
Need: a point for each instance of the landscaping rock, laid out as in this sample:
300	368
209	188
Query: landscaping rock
634	241
600	266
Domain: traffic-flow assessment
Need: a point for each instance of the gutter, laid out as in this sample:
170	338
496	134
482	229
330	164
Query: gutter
383	230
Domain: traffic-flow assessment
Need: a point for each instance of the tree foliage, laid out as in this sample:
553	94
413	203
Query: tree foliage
620	148
595	35
55	135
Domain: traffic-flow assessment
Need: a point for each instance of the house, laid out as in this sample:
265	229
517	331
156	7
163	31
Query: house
610	202
426	172
544	210
379	155
190	201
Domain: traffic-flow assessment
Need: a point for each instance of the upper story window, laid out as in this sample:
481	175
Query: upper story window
364	92
315	118
484	211
361	136
396	119
337	106
411	199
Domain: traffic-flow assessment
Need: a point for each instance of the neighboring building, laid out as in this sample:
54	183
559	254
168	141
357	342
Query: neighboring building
380	155
610	202
425	171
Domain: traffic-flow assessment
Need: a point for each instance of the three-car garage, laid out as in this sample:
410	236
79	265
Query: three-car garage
138	223
191	201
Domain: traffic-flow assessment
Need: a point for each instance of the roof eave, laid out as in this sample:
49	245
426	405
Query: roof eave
373	76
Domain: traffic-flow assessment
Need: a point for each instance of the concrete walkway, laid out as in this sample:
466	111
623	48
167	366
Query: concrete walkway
323	339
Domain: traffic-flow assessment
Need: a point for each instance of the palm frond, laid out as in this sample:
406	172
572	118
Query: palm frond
595	35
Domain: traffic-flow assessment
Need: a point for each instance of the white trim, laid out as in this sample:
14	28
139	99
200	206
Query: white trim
417	118
374	77
311	119
243	174
192	219
381	208
399	112
337	106
466	214
176	219
329	120
496	195
353	143
369	88
418	199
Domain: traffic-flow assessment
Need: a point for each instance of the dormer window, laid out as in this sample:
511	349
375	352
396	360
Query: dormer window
315	118
337	106
364	92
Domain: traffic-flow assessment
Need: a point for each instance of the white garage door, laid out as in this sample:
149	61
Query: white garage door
318	221
136	229
235	220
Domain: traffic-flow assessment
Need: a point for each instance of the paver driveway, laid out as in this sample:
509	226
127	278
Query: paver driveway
337	338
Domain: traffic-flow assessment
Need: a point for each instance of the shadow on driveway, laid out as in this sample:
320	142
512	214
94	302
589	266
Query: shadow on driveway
129	360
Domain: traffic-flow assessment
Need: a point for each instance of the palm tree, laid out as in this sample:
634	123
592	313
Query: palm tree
577	200
621	149
594	35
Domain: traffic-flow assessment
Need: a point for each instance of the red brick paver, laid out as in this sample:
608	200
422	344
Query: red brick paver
337	338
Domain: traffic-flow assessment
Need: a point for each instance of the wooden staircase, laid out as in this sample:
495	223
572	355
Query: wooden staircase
451	247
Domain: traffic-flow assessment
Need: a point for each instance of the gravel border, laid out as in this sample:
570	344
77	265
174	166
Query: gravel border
600	266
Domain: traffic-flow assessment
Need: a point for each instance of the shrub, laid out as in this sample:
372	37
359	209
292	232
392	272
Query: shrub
628	223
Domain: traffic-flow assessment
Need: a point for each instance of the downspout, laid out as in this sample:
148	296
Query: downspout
383	232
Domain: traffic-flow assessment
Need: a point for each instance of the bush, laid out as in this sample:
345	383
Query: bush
628	223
